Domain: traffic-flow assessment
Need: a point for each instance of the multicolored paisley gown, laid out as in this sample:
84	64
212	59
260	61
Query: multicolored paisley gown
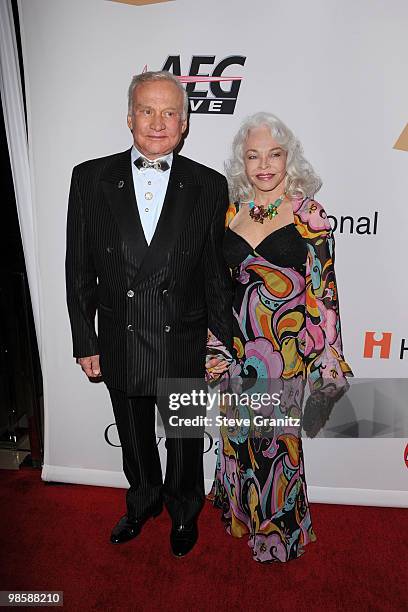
286	328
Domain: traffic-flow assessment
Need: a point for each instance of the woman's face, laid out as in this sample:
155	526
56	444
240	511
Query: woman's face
265	160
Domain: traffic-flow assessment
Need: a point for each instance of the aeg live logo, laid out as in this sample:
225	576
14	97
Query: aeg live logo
209	89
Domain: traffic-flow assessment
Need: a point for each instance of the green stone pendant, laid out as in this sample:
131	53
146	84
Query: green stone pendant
272	211
273	208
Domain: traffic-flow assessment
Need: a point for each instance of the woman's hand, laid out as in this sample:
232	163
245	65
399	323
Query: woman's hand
216	366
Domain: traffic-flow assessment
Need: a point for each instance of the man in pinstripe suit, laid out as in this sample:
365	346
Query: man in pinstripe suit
144	235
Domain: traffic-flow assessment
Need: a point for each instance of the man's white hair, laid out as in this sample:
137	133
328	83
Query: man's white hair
158	75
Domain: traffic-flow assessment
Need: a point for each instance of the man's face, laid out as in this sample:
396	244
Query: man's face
157	118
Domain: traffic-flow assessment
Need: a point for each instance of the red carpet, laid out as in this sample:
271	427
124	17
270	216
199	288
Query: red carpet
56	537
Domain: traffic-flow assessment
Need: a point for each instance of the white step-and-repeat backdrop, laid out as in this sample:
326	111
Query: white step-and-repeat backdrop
335	72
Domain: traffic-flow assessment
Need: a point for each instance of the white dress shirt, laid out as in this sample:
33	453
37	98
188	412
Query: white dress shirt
150	189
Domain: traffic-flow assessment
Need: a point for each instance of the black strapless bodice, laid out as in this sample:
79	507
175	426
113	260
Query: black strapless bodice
284	247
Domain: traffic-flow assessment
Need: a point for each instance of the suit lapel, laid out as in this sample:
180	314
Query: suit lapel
117	182
179	202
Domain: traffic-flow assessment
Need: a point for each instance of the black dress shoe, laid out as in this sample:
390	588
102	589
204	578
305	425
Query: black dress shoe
183	538
126	529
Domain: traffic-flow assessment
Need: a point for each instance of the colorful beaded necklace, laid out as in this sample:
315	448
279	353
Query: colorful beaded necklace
258	212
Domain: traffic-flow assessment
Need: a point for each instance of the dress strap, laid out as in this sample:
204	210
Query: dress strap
297	205
231	212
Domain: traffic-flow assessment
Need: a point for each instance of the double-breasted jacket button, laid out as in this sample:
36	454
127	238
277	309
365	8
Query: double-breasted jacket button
167	328
165	292
130	293
130	328
109	249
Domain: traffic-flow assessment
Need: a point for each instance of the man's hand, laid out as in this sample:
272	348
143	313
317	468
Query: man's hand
90	365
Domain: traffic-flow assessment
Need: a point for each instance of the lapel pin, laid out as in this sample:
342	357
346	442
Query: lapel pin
120	184
181	185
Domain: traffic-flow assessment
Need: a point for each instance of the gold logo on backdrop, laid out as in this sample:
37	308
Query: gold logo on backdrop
402	142
140	2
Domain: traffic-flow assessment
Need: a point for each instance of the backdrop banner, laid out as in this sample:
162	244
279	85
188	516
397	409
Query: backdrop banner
335	73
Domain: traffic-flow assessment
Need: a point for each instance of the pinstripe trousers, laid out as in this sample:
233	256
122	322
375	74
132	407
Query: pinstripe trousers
183	488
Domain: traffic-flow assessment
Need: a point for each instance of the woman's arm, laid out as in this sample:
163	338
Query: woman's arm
323	348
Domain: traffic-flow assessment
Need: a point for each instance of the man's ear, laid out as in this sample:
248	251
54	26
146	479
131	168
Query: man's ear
184	125
129	122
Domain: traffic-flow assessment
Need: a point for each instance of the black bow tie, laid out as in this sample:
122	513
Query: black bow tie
160	164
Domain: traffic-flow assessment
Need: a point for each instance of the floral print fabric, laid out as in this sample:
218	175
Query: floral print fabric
287	329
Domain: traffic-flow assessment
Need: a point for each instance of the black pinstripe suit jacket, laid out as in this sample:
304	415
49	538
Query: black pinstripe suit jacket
154	302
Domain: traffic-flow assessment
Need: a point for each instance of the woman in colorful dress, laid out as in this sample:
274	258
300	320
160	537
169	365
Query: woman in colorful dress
280	248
